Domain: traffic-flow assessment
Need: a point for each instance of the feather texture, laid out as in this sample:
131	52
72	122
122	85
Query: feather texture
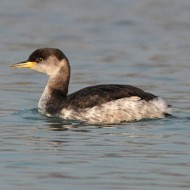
96	95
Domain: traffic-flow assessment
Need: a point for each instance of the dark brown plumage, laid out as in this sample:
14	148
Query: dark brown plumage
96	95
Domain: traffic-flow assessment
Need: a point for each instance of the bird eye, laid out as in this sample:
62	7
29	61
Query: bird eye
40	59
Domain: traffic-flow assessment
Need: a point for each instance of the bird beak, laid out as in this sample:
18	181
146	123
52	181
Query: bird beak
25	64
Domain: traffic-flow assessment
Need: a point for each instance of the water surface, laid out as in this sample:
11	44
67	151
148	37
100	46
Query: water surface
144	43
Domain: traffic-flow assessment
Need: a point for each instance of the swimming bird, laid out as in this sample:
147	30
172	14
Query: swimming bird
105	103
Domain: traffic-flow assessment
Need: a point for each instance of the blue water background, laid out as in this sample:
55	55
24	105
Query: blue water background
144	43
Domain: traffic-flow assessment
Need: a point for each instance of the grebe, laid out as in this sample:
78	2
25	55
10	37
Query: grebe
106	103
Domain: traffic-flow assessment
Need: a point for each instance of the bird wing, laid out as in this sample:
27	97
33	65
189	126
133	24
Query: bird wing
96	95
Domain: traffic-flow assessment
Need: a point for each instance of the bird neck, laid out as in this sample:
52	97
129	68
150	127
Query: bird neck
55	92
59	83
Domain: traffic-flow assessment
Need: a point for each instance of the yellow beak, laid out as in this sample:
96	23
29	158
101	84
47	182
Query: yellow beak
27	64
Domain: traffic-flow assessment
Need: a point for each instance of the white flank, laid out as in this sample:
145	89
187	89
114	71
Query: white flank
125	109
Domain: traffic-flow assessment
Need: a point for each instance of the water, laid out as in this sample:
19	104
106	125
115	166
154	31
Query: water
144	43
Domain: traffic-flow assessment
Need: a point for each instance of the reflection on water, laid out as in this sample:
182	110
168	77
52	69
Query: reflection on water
143	43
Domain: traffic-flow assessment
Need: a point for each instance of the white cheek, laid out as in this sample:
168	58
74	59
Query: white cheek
39	67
